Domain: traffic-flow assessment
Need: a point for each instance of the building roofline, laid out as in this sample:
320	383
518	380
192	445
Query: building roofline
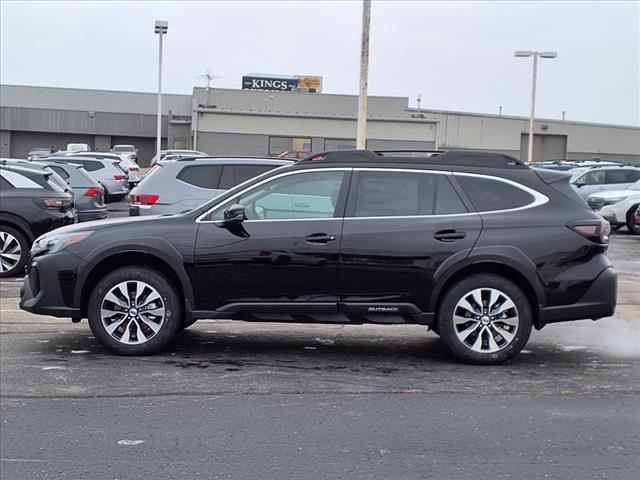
517	117
188	95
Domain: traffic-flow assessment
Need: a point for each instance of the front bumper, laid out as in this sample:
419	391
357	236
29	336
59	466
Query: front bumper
48	288
598	301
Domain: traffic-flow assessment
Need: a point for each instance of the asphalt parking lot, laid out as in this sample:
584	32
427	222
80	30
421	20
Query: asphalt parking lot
239	400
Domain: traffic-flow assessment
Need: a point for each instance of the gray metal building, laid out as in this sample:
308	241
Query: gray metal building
243	122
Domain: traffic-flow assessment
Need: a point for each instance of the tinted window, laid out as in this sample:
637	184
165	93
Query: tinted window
233	175
60	171
89	165
4	185
203	176
302	195
488	195
393	194
622	176
448	201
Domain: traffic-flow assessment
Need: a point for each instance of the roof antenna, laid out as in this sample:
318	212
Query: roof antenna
209	77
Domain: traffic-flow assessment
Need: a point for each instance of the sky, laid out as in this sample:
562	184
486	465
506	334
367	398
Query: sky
457	55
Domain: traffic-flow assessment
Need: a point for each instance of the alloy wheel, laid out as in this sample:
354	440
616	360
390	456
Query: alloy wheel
10	251
486	320
132	312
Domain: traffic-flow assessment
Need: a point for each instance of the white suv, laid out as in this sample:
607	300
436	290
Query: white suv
618	206
604	178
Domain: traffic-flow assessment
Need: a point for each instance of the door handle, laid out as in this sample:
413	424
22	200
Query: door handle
320	238
449	235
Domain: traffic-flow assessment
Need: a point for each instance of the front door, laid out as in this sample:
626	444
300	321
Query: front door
400	226
284	256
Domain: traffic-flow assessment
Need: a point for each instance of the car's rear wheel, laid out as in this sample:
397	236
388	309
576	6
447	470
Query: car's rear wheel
485	319
14	251
631	225
135	311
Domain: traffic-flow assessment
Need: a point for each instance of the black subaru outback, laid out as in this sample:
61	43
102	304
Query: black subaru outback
475	245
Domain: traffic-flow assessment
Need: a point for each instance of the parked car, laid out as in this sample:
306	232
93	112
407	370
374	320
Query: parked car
172	187
128	165
295	154
618	207
604	178
129	150
54	176
38	152
176	154
78	147
445	241
109	175
88	193
31	204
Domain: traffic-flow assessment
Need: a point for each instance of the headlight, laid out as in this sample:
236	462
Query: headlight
613	200
54	243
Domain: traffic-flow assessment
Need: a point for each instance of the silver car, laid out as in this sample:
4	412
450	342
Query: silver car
175	154
114	181
89	194
126	163
600	179
172	187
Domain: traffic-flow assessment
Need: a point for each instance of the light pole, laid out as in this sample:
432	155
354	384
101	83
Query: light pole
161	29
535	55
361	135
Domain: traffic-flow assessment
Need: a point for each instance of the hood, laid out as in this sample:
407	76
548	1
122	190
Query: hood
97	225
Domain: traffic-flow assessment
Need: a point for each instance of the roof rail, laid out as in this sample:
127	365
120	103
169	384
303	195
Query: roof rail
449	157
214	157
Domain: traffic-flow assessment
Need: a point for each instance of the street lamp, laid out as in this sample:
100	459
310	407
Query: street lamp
535	55
161	29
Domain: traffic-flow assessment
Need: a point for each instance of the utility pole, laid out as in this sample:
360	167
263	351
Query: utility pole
419	99
161	28
361	138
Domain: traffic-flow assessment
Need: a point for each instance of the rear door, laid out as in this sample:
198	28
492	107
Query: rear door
399	228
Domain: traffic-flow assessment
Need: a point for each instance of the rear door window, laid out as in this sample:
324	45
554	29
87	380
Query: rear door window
233	175
203	176
488	194
393	194
622	176
448	201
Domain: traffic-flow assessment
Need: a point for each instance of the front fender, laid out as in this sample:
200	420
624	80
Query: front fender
153	246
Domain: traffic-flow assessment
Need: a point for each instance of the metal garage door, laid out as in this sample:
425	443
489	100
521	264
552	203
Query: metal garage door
545	147
22	142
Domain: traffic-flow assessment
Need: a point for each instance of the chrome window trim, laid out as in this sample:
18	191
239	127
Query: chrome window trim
539	198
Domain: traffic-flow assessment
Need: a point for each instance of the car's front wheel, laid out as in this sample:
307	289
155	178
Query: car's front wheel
485	319
14	251
135	311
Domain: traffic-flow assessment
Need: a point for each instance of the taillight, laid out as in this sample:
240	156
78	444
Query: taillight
118	177
133	169
143	199
93	192
57	203
595	231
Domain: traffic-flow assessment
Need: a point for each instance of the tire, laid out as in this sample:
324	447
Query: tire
635	230
14	251
135	332
479	340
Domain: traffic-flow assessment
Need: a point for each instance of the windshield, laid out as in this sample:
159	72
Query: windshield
123	148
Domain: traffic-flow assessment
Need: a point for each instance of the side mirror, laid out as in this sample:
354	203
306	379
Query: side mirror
234	214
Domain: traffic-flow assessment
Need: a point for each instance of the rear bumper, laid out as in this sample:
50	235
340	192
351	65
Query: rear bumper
88	215
57	298
599	301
